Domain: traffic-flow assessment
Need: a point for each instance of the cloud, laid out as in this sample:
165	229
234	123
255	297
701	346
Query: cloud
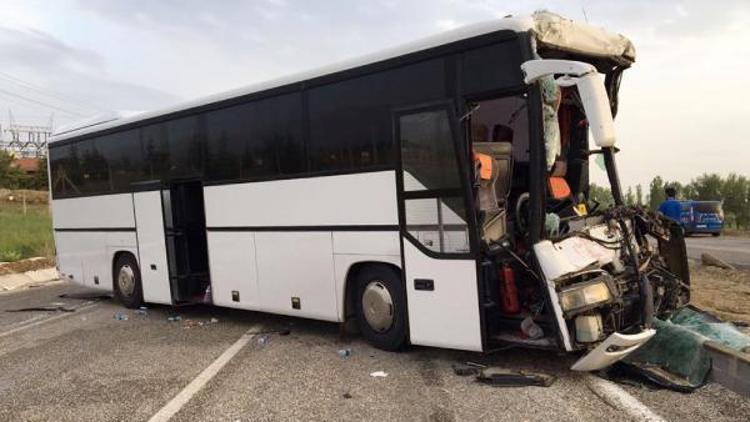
42	75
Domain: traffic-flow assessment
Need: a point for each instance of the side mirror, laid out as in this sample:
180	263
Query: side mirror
598	112
590	87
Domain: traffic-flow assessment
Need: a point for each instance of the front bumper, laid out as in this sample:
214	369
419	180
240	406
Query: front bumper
611	350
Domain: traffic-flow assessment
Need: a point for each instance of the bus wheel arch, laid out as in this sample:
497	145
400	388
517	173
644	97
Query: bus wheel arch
126	279
381	282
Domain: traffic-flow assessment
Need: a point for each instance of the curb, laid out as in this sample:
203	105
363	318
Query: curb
729	368
20	280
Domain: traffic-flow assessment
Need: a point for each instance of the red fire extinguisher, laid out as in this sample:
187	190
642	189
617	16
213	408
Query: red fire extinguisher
508	291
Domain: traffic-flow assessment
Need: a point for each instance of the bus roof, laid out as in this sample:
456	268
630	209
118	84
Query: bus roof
550	31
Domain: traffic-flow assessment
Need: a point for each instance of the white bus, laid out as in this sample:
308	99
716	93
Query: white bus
436	193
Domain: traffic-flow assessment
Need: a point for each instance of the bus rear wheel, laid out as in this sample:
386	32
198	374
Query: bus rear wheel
381	307
127	281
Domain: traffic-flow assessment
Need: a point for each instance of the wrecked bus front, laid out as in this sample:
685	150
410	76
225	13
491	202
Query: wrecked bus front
583	278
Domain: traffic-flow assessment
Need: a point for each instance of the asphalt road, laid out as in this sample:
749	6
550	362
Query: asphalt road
87	365
735	250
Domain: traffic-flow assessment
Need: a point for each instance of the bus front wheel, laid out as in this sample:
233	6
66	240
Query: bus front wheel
381	307
127	281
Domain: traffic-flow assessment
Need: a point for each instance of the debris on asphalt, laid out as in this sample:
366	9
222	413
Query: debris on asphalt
174	318
263	340
345	353
463	370
190	323
347	396
213	320
141	310
83	296
378	374
713	261
503	377
121	317
43	309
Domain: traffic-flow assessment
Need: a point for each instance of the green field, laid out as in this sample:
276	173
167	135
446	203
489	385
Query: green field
25	236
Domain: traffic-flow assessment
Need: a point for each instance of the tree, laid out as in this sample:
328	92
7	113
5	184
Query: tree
707	187
639	195
735	193
630	197
601	195
10	177
656	193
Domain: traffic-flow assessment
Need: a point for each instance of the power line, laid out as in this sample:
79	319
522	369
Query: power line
49	93
43	104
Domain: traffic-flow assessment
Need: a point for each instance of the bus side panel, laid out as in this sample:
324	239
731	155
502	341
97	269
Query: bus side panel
152	247
233	269
88	232
350	248
297	265
351	199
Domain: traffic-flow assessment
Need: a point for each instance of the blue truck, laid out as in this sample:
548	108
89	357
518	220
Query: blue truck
702	217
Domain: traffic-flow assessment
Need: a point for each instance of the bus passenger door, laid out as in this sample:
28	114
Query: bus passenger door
187	247
152	254
440	272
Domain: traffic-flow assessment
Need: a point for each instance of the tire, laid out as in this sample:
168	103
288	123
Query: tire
128	289
381	283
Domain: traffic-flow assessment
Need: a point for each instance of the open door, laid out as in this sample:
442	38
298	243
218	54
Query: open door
440	271
185	235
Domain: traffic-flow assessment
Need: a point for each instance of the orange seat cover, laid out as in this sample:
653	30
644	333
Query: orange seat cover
485	168
559	187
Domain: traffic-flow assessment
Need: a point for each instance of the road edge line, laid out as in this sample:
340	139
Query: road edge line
183	397
620	399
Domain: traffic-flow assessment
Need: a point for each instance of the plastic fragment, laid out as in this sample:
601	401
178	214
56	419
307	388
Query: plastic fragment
174	318
378	374
263	340
345	353
142	310
121	317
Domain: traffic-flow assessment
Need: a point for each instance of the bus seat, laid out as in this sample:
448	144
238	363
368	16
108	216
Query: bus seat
558	186
479	132
493	192
502	165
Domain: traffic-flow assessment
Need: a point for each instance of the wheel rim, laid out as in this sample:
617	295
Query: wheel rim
377	305
126	280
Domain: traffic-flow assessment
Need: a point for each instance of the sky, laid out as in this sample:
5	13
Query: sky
682	104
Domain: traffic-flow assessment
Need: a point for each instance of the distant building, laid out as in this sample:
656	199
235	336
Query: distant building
27	165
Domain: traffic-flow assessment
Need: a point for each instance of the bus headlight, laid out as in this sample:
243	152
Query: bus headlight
585	295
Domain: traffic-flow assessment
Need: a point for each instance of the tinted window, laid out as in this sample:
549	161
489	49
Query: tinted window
707	207
256	140
66	171
185	146
351	121
123	158
427	151
95	177
492	68
155	152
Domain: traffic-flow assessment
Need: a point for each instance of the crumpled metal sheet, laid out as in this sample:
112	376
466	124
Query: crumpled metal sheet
560	33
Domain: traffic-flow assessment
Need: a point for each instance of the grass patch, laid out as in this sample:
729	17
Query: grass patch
25	236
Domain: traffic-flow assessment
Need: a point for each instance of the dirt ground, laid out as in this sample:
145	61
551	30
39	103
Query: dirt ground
26	265
724	293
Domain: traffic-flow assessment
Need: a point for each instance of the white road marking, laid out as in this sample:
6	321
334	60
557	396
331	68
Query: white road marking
82	307
184	396
620	399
